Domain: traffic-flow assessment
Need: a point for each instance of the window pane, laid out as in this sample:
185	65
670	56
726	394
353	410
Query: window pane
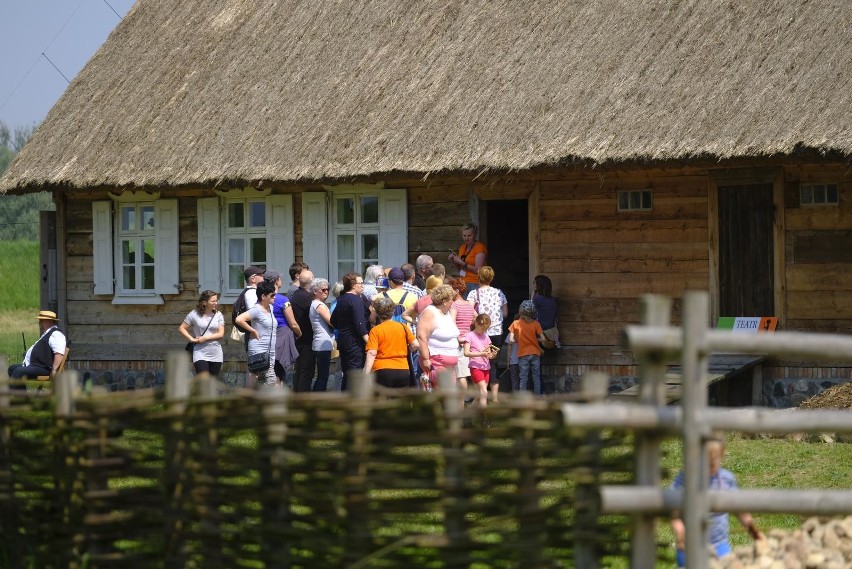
646	200
257	214
344	267
346	248
345	210
831	193
148	250
128	252
147	218
128	218
370	246
148	277
236	214
807	194
236	278
369	209
623	200
237	252
258	251
635	200
128	277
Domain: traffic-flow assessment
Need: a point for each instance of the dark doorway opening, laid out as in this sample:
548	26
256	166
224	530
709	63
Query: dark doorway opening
507	240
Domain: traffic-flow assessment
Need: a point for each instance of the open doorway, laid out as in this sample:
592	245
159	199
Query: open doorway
507	240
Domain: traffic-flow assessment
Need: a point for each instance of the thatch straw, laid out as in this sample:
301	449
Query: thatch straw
270	90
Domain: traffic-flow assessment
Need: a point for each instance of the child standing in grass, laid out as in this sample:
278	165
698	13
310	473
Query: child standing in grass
527	332
477	347
720	479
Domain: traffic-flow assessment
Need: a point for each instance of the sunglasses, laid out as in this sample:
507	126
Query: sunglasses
323	290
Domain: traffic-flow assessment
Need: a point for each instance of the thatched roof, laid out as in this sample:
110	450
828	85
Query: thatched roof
187	92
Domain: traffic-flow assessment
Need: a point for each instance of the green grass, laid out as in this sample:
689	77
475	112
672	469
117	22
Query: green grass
19	296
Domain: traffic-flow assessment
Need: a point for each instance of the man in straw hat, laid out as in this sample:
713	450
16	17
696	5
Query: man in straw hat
43	357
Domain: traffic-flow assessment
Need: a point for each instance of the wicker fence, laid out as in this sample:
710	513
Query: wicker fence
198	476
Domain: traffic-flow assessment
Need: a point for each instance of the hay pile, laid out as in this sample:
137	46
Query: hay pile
835	397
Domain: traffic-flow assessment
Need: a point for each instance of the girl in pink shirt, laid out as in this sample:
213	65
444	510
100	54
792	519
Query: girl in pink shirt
478	348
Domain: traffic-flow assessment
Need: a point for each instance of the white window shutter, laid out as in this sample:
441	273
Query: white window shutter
167	247
315	233
393	235
209	245
102	247
280	243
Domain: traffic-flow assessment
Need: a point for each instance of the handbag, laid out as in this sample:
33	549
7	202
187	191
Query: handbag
237	335
190	346
551	336
476	302
260	361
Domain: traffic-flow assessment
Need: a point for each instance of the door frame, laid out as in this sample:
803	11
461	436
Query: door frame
743	176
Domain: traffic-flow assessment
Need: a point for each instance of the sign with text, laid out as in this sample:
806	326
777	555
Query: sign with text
747	324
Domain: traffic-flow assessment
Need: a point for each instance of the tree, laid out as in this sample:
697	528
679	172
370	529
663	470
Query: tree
19	215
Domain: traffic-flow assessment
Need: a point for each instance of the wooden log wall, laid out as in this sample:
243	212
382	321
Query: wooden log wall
818	253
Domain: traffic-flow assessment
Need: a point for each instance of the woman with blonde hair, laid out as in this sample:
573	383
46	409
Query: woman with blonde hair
491	301
438	335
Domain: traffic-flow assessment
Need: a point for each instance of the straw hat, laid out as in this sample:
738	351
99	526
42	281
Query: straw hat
47	315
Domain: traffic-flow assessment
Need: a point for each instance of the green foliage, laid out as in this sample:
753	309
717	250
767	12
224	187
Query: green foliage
19	214
19	295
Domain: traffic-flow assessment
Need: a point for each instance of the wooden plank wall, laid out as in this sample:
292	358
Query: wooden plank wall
602	260
818	253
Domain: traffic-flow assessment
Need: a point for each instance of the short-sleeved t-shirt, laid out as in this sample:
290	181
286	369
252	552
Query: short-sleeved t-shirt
478	343
722	480
390	340
491	301
206	351
526	335
265	324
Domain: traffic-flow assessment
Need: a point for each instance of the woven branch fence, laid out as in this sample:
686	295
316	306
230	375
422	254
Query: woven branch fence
200	476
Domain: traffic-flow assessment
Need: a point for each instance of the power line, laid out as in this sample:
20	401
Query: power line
56	35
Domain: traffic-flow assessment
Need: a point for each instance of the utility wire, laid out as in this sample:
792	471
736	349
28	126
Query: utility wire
56	35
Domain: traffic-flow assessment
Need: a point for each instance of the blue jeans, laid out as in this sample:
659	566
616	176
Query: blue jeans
530	365
323	365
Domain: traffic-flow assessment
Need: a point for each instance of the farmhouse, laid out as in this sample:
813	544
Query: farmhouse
621	148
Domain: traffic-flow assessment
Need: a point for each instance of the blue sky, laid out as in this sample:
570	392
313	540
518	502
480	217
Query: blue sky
69	32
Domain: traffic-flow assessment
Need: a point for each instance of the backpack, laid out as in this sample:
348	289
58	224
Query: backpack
399	308
239	307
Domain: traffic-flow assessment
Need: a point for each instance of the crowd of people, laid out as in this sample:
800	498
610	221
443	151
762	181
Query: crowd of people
404	324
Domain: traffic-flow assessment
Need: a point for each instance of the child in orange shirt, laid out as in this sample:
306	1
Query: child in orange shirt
527	332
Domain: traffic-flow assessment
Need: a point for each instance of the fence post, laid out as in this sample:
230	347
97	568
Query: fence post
208	391
655	311
454	505
586	537
529	497
177	393
696	475
8	517
67	463
358	532
275	477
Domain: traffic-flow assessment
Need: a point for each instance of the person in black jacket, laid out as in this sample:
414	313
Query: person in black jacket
45	355
351	319
305	364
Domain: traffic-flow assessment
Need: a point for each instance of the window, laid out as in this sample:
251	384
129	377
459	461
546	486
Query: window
135	248
635	200
348	228
356	232
245	234
242	227
818	194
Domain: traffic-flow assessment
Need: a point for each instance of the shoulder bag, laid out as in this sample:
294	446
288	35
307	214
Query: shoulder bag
260	361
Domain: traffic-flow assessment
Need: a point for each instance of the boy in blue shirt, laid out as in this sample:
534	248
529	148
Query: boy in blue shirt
720	479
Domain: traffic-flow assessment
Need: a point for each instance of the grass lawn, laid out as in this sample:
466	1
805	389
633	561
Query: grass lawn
19	296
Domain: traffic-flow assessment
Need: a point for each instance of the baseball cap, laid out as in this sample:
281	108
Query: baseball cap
251	271
396	275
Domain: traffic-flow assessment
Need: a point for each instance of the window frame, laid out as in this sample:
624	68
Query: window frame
824	188
640	195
